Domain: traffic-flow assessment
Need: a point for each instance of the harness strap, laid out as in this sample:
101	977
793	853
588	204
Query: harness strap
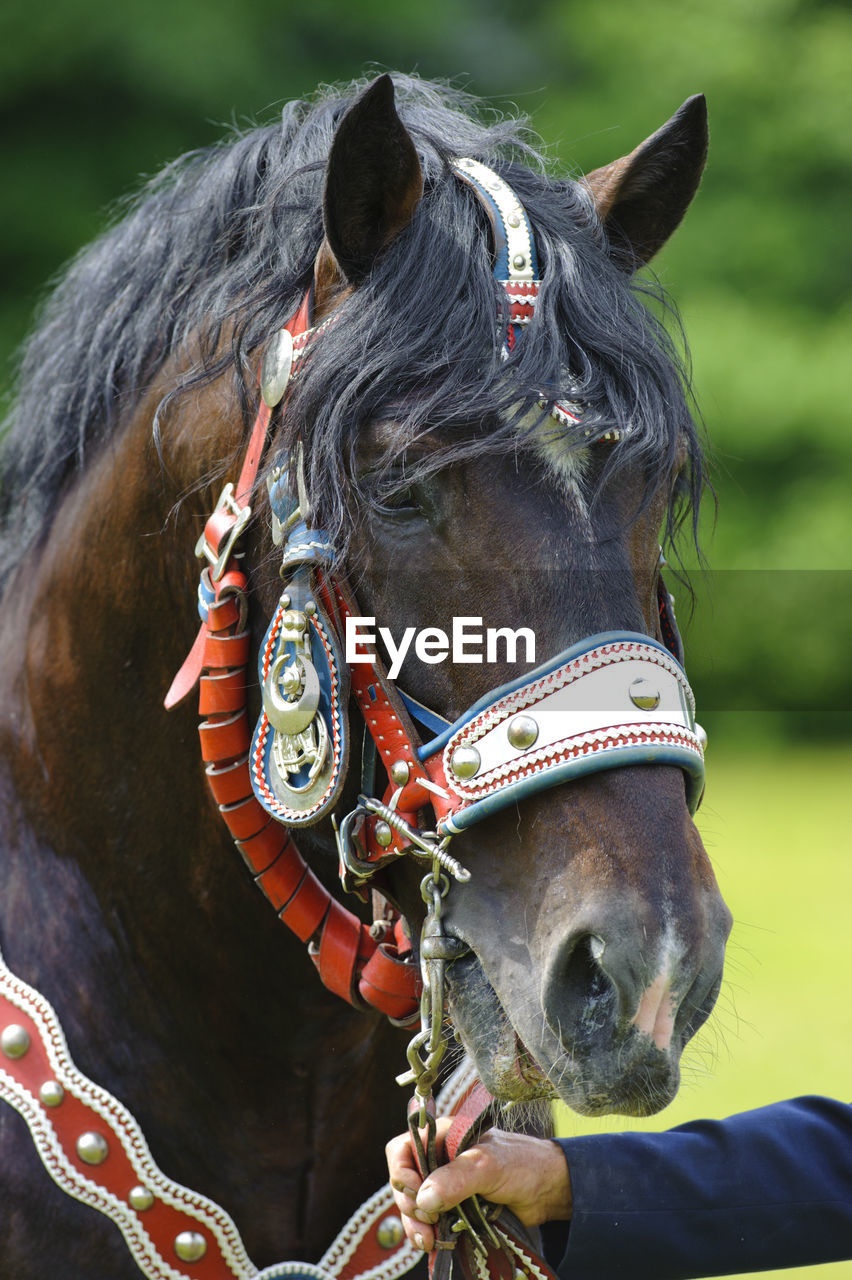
350	962
515	262
230	517
93	1149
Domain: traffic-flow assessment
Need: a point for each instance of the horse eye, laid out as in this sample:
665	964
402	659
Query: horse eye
400	502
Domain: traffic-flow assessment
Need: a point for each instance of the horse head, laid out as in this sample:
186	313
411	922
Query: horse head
474	468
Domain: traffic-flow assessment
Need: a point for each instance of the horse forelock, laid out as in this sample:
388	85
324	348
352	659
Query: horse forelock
217	249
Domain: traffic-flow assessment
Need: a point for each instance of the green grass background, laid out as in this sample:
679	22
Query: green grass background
776	821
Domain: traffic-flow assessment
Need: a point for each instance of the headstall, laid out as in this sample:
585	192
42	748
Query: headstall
613	699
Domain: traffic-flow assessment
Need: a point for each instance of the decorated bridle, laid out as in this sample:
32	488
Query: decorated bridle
613	699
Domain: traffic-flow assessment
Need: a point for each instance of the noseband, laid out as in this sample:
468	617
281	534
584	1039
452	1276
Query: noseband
613	699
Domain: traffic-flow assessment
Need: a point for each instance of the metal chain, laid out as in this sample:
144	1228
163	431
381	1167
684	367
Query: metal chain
425	1053
426	1050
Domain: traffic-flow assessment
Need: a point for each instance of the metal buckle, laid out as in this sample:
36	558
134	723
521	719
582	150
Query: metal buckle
219	559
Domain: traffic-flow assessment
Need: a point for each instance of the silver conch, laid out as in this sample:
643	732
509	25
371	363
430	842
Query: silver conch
291	695
292	711
276	367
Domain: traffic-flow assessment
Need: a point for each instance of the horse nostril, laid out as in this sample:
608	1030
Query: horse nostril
580	998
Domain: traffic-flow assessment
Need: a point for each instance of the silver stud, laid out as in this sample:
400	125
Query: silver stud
514	220
701	735
310	608
140	1198
519	261
465	762
643	694
522	732
190	1246
14	1040
51	1093
275	367
400	772
92	1148
384	834
389	1232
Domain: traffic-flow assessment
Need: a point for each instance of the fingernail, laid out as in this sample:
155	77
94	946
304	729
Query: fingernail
421	1216
428	1199
418	1242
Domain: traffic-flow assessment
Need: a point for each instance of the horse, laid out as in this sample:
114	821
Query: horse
502	450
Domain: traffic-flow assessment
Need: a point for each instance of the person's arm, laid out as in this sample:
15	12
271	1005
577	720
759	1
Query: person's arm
764	1189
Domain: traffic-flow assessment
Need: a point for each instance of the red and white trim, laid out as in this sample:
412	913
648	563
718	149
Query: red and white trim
620	701
371	1245
585	702
85	1108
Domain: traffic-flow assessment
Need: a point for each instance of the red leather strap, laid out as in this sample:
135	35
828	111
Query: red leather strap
224	739
223	613
383	710
337	953
229	782
345	953
515	1258
245	818
226	651
187	678
391	729
473	1116
280	881
261	850
220	692
306	910
221	523
390	982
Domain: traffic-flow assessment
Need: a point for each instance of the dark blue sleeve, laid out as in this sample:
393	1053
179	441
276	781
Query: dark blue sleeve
765	1189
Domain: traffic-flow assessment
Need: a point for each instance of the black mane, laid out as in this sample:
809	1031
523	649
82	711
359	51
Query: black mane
223	242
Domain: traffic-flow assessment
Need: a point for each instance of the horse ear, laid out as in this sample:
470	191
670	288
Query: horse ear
372	185
642	197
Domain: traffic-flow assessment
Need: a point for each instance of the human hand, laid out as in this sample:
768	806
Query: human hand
528	1175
